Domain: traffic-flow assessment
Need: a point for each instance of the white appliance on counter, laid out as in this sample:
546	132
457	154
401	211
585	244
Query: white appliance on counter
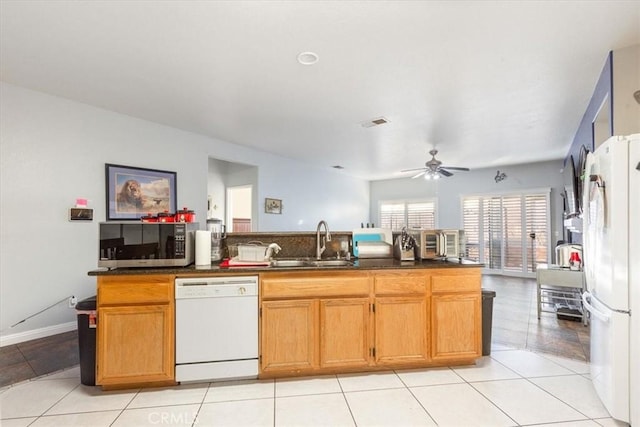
612	272
432	244
216	328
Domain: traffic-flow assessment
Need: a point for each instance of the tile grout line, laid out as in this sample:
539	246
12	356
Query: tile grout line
557	398
54	404
346	401
528	379
274	401
204	397
418	400
507	379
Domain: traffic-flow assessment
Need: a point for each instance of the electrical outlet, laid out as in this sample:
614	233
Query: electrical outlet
72	301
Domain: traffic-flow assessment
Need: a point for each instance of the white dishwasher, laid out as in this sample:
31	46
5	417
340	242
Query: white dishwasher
216	328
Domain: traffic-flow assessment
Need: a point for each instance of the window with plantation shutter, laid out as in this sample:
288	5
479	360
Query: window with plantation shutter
392	215
512	233
471	226
414	214
492	233
508	233
537	222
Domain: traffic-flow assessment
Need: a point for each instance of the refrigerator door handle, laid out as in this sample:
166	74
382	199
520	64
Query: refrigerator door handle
586	296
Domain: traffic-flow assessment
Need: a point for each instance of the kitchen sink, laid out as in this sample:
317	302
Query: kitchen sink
331	263
288	263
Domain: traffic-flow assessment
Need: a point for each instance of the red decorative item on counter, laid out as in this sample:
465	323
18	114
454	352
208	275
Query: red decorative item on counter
185	215
149	218
166	217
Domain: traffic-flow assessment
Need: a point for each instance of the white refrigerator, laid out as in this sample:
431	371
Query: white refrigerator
611	251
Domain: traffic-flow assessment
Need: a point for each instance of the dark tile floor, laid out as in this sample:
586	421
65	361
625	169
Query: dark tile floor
31	359
515	324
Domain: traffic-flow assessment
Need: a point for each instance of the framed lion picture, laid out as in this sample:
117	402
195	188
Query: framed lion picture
135	192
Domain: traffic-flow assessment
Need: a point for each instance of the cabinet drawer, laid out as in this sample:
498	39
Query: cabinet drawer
456	283
400	283
135	289
314	286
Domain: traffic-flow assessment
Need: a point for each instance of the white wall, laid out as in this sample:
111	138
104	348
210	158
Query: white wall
310	195
448	191
216	188
53	151
626	80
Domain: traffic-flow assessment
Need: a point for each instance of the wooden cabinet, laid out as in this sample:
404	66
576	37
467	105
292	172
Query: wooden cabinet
344	332
456	316
135	336
314	321
401	330
321	322
289	335
401	320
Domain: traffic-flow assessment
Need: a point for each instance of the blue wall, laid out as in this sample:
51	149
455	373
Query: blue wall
584	134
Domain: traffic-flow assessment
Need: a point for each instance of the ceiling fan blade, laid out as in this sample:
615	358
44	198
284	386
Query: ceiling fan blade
444	172
455	169
412	170
418	175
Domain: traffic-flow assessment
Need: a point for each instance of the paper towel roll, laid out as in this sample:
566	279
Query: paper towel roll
203	247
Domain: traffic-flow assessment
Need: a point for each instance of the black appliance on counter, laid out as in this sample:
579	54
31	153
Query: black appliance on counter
140	244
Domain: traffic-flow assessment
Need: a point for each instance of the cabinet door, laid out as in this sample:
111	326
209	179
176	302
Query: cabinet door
401	330
456	326
289	337
135	344
344	332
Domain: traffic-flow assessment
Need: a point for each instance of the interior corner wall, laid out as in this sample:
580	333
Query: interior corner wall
216	188
53	151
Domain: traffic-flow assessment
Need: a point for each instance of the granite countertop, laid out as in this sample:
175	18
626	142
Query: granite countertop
358	264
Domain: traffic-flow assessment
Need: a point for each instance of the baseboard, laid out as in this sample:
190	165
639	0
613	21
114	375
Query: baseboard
37	333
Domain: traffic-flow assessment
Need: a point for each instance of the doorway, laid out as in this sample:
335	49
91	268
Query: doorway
239	208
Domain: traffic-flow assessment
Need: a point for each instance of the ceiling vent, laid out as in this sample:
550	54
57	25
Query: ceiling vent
374	122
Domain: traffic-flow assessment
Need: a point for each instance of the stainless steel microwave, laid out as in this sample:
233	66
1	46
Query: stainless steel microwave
139	244
431	244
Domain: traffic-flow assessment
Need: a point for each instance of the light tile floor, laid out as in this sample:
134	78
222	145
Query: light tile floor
511	387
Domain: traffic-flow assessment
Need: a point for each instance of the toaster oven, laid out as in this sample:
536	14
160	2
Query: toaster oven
433	244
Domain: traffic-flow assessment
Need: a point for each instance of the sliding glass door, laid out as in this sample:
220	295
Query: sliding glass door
509	233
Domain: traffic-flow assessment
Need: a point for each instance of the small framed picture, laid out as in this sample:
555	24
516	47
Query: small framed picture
272	206
80	214
133	192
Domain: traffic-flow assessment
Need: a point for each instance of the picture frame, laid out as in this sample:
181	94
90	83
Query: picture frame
272	206
133	192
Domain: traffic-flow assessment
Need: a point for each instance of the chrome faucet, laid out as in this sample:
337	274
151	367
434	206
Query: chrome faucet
327	238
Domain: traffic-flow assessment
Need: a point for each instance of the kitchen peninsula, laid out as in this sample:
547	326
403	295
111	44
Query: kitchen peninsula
372	314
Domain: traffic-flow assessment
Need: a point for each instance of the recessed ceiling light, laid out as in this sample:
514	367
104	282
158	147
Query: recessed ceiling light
308	58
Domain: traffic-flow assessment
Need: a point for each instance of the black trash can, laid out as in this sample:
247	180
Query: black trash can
487	320
86	311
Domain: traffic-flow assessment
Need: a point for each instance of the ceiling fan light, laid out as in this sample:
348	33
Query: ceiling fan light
427	175
436	176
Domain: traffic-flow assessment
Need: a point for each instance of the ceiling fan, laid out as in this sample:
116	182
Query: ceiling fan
433	168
